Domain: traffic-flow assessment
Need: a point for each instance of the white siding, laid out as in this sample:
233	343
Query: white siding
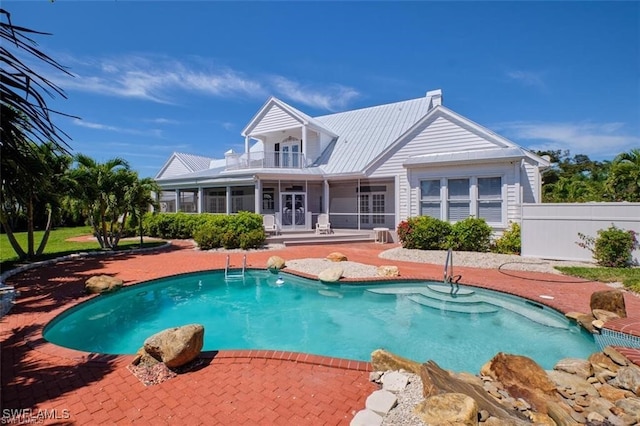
550	231
313	146
175	168
275	119
530	188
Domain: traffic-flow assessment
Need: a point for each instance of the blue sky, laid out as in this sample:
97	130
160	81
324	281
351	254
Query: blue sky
156	77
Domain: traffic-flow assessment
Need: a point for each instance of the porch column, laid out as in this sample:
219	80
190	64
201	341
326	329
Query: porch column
325	196
258	196
247	149
177	200
200	199
228	199
518	190
304	145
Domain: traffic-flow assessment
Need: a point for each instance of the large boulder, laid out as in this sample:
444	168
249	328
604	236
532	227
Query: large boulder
388	271
609	300
523	378
382	360
628	378
176	346
448	409
331	275
275	263
336	256
102	284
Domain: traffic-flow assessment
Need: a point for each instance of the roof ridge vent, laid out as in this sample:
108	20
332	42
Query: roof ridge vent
435	98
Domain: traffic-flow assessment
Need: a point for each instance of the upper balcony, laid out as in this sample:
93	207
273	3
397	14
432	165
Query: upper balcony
265	160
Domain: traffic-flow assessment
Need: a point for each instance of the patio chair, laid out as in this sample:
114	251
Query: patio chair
269	223
322	225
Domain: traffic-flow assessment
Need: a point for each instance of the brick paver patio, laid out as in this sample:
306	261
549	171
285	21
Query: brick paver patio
231	387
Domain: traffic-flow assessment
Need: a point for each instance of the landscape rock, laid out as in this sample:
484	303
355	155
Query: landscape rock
628	378
382	360
176	346
579	367
631	406
600	359
604	316
615	356
331	275
578	385
448	409
612	393
275	263
388	271
381	402
394	381
336	256
522	377
102	284
609	300
366	418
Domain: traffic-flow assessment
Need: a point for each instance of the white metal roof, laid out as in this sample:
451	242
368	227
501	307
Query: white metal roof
194	162
478	155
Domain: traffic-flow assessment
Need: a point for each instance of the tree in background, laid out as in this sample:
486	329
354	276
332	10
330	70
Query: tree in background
139	197
623	182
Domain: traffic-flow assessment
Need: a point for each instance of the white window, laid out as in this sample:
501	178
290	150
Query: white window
430	198
459	201
378	207
490	199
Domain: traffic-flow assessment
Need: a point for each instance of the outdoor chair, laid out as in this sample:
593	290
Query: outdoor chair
322	225
269	223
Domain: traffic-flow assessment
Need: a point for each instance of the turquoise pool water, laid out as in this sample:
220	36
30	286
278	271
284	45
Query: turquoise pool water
421	321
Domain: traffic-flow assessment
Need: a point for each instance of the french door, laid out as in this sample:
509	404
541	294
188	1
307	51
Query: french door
294	210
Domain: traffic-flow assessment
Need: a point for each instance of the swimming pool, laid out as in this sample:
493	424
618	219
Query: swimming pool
459	328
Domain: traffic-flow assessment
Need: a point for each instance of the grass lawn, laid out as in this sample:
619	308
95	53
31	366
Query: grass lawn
630	277
58	245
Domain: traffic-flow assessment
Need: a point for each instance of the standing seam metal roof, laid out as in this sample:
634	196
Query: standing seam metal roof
366	133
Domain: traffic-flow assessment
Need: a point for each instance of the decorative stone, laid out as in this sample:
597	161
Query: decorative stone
600	405
609	300
448	408
275	263
570	381
597	324
541	419
631	406
366	418
579	367
613	394
615	356
628	378
381	402
603	315
331	275
394	381
176	346
388	271
522	377
102	284
595	417
601	360
586	321
382	360
336	256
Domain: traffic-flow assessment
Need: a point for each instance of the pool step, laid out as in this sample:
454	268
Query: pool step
532	311
475	307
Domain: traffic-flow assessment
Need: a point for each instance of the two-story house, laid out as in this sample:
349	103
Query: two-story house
366	168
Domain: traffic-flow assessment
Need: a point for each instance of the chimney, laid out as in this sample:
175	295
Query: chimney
435	96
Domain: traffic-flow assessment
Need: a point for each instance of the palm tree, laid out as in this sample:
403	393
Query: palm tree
100	189
623	183
139	197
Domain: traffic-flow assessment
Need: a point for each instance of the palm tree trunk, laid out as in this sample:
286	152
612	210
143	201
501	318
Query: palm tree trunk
12	238
45	237
30	243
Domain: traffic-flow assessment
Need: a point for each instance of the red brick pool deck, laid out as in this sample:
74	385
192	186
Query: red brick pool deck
230	387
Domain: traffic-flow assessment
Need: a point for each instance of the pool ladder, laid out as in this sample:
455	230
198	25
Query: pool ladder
227	270
448	271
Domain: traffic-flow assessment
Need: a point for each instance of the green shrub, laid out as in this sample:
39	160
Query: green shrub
470	234
243	230
612	248
252	239
509	242
424	233
208	236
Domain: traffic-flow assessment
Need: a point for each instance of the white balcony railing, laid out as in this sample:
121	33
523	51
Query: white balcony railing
265	159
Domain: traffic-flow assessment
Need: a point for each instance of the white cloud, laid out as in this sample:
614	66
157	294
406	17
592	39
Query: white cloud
163	80
106	127
332	98
528	78
597	140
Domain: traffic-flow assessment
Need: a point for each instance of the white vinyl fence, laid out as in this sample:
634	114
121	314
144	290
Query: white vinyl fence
550	231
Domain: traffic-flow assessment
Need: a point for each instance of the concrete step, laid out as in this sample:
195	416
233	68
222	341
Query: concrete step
454	305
